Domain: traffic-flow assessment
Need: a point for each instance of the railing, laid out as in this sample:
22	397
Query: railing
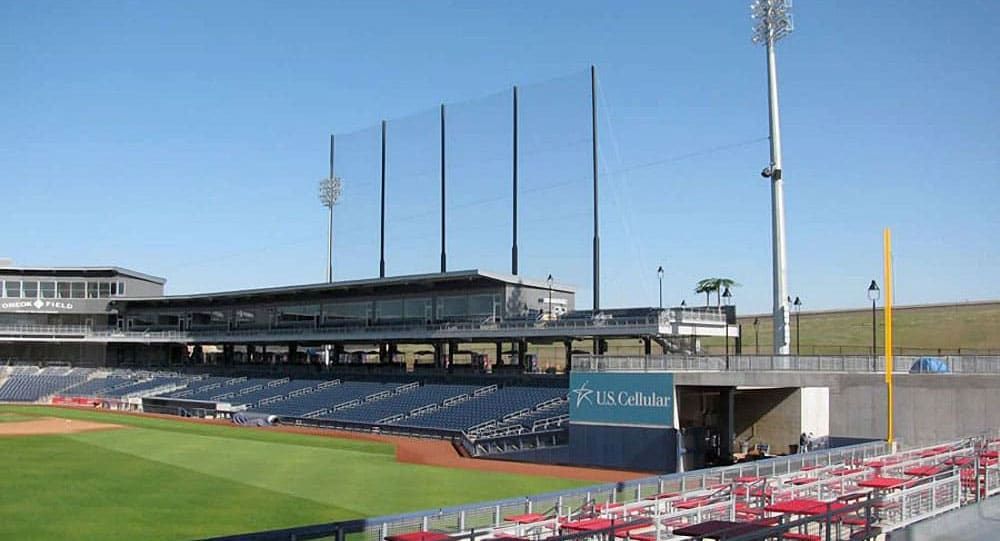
664	317
951	364
490	514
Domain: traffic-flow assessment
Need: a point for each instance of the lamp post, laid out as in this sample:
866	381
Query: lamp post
727	297
797	304
659	275
548	281
874	293
773	22
756	336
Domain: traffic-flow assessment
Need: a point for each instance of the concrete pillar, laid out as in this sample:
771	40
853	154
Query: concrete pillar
728	428
338	350
499	358
450	358
647	346
438	355
228	354
293	353
263	355
522	353
383	353
393	350
251	355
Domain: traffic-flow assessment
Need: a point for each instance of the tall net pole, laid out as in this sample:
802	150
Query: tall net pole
773	22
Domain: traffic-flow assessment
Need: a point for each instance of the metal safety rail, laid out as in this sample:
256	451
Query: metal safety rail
950	364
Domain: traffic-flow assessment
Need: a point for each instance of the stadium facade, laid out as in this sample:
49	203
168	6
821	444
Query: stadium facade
124	319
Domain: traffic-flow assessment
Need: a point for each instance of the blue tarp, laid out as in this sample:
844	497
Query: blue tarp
929	365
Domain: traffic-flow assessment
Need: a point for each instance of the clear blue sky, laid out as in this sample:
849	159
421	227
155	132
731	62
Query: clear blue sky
185	139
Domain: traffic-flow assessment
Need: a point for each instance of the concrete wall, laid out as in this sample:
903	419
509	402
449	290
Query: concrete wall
978	521
929	407
615	447
769	416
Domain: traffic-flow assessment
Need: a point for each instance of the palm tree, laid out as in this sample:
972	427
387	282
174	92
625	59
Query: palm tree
706	286
714	285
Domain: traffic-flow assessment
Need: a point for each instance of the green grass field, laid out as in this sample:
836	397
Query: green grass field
164	479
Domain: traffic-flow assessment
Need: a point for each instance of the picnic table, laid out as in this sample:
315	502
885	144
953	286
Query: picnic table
924	471
721	529
526	518
882	483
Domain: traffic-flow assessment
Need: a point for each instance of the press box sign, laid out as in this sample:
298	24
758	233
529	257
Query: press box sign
622	399
37	304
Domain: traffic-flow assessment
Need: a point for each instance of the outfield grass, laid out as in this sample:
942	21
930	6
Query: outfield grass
165	479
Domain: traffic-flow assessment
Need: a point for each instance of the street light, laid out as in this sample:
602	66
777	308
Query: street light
773	22
756	336
330	189
659	275
727	298
798	310
874	293
549	282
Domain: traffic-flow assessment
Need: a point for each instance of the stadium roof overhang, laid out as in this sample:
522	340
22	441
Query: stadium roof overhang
407	284
85	272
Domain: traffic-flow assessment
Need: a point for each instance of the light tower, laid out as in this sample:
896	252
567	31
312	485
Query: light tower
329	193
773	22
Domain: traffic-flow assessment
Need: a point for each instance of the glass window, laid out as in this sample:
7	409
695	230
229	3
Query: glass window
452	307
47	289
114	289
481	305
29	288
347	310
63	290
105	290
12	288
78	289
91	290
121	289
391	309
417	308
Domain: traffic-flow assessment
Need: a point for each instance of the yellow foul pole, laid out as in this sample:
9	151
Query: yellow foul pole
887	280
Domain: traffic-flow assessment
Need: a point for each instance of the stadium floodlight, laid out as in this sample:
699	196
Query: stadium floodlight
773	22
329	194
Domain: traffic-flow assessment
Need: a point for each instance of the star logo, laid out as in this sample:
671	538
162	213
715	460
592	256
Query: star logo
38	304
583	393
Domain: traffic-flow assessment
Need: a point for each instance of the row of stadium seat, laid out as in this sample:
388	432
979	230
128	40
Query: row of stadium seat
402	403
33	387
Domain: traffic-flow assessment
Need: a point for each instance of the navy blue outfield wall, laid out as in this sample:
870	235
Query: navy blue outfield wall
605	446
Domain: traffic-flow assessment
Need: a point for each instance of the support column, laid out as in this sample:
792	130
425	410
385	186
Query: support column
568	347
522	353
647	346
251	356
393	350
438	355
338	350
450	358
293	353
383	353
499	359
263	354
728	427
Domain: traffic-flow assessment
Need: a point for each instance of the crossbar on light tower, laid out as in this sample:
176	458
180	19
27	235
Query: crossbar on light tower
329	194
773	22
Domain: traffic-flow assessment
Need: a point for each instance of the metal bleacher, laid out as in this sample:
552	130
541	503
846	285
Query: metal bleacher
327	397
487	409
32	387
406	401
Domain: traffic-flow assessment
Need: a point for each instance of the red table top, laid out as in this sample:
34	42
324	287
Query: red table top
882	482
924	471
959	461
802	506
587	525
525	518
990	454
419	536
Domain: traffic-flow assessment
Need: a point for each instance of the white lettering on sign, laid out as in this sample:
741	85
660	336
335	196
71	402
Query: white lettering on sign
620	398
37	304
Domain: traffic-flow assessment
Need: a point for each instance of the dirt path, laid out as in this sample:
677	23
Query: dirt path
432	452
51	425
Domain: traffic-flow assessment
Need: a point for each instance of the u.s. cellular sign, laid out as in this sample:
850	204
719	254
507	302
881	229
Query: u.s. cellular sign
622	399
